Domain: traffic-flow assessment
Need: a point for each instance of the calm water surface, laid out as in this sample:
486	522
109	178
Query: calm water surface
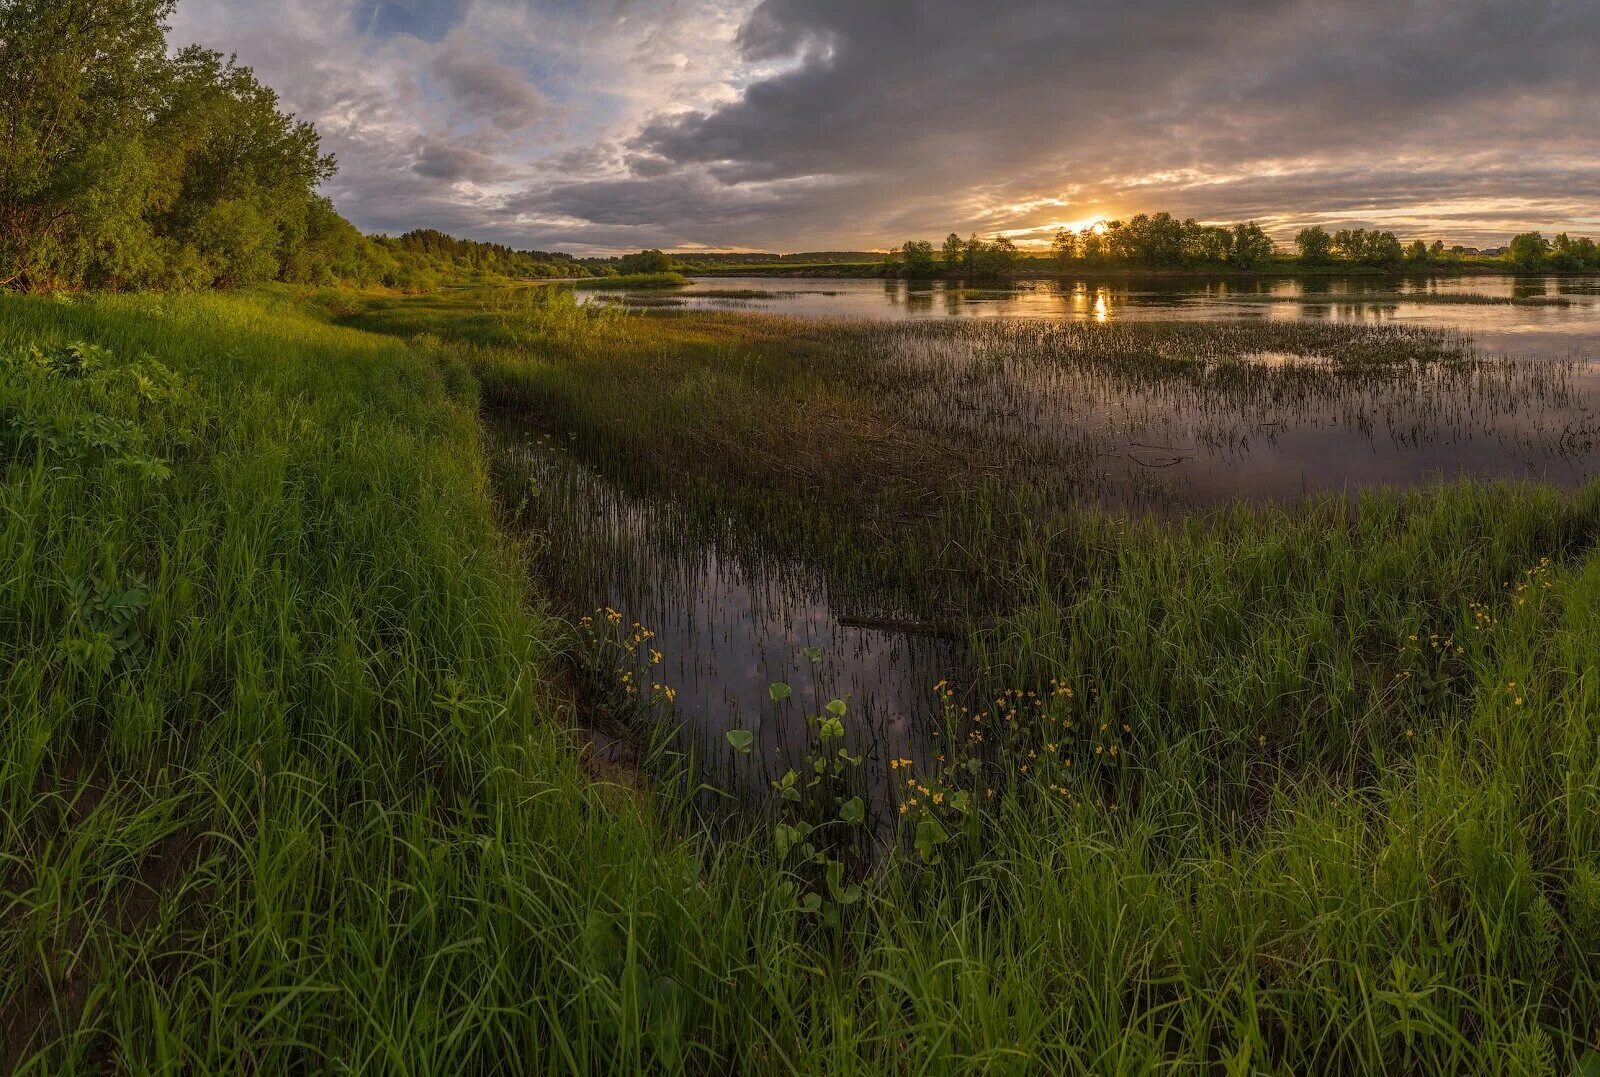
730	622
1570	328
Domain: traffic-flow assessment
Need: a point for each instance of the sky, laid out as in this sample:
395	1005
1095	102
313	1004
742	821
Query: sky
598	126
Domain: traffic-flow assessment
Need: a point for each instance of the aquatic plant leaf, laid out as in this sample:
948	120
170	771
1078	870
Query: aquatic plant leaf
741	740
778	691
930	835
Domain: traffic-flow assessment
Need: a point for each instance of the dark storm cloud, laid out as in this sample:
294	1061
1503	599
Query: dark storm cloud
440	159
485	90
996	103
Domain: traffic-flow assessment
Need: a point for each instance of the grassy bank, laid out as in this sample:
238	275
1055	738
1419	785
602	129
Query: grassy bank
284	785
287	783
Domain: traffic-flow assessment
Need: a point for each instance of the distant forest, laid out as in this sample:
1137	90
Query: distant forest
1161	241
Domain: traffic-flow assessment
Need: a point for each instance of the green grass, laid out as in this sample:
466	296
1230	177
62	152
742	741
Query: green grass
634	280
307	803
287	784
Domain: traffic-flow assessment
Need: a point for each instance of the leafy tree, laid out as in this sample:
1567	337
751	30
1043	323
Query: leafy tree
1119	242
1565	254
1252	247
1206	244
1373	248
1528	250
651	261
78	81
1382	249
446	255
1150	240
1002	256
1351	243
953	253
125	164
1417	252
1064	248
971	254
244	172
1316	246
1092	246
918	259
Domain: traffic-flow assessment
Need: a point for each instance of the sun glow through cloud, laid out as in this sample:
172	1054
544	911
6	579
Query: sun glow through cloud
740	123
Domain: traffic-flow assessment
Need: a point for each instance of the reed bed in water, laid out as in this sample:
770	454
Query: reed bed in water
927	466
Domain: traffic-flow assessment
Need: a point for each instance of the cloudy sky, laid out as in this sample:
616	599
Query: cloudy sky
602	125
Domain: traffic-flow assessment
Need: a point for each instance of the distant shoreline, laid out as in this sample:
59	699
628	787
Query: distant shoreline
872	271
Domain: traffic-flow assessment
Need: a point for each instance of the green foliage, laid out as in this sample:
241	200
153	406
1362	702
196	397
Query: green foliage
1367	247
817	835
917	259
122	167
1528	250
445	256
1251	246
1316	245
1064	248
651	261
80	82
976	257
103	629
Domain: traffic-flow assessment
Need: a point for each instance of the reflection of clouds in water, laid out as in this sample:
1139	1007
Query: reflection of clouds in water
728	629
729	633
1554	330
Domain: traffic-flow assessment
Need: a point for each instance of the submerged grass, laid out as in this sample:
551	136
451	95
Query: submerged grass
634	280
286	785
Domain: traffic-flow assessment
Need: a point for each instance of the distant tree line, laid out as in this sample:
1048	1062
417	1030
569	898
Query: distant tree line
712	260
1359	246
1161	241
970	257
451	256
647	261
126	165
1153	241
1563	254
